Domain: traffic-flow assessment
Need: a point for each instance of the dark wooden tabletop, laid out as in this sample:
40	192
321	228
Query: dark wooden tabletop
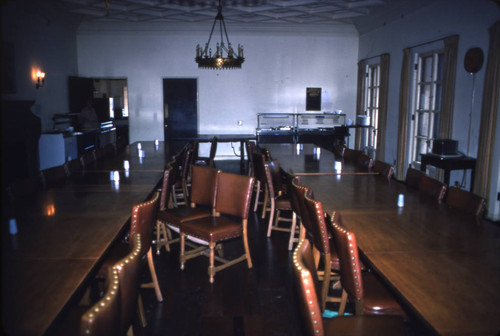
65	231
443	264
309	159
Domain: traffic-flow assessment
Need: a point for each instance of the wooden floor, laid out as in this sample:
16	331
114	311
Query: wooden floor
242	301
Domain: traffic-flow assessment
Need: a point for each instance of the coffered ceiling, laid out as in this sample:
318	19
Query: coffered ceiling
236	11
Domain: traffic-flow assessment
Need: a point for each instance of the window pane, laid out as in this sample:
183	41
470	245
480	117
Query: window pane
435	129
425	97
421	147
439	89
423	124
426	73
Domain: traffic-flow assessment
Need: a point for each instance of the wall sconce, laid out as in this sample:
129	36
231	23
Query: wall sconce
40	79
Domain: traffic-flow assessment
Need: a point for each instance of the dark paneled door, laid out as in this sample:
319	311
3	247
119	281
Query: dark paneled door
180	98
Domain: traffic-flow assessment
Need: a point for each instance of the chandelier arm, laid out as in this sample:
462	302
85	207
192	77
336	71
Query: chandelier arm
210	37
225	31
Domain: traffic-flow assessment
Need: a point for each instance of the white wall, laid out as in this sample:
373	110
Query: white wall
278	67
470	19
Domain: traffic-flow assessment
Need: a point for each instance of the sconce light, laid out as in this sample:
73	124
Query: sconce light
40	79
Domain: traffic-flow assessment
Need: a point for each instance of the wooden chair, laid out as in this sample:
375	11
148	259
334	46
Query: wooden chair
352	154
326	256
180	177
143	219
364	161
413	177
73	166
141	223
298	193
99	153
383	168
233	197
208	161
364	290
128	269
307	284
53	176
465	201
259	173
103	318
278	202
87	159
432	187
203	191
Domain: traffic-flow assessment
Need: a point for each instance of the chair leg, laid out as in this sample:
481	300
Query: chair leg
245	244
257	193
292	231
182	250
343	302
211	266
264	204
325	285
271	217
142	313
152	270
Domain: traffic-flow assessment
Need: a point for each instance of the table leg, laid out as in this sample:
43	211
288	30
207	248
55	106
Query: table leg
447	177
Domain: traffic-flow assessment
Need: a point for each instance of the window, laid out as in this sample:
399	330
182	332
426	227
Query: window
371	106
427	107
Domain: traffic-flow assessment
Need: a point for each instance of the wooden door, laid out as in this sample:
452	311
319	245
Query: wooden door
180	97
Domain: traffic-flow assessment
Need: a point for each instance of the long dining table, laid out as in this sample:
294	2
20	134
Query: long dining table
443	265
64	233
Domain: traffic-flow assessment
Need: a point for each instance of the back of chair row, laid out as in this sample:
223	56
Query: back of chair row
114	313
462	200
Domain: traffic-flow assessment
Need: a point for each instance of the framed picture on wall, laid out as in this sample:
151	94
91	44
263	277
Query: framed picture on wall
313	99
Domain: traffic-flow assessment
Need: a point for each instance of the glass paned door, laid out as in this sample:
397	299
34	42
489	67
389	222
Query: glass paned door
429	73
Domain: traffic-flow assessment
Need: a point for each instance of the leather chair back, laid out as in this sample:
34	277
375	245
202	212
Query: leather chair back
432	187
103	318
383	168
413	178
259	171
350	268
307	284
300	192
351	154
204	185
465	201
128	276
319	229
234	194
142	221
277	176
364	161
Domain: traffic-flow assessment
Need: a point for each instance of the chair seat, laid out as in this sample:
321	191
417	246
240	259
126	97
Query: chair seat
282	202
364	325
213	229
377	300
176	216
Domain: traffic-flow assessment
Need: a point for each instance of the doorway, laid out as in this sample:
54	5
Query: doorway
180	109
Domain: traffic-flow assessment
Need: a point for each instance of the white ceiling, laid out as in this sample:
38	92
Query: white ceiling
238	11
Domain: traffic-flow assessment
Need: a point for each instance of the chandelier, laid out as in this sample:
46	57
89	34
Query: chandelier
224	57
